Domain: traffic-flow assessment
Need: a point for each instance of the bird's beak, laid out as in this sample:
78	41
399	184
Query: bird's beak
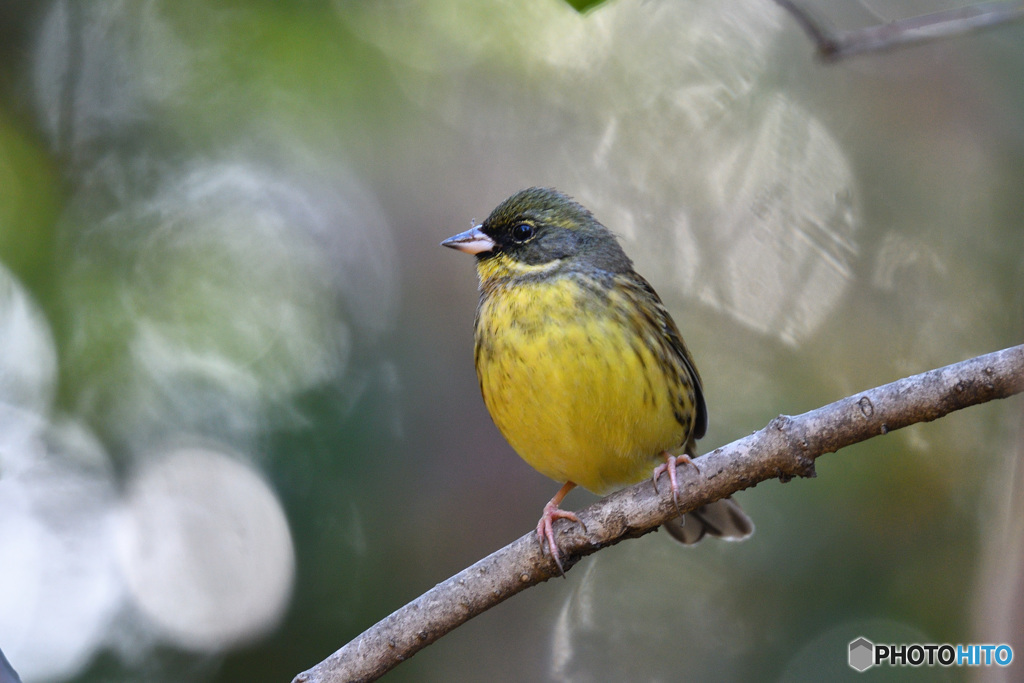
473	241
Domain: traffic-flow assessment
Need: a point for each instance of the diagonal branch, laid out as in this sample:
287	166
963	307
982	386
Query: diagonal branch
835	45
785	448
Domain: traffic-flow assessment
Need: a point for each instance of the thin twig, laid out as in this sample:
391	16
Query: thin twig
835	45
785	448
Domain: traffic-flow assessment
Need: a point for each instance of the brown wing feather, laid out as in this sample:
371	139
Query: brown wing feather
659	317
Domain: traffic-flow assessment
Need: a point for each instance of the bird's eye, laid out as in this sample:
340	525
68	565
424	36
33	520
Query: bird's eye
522	232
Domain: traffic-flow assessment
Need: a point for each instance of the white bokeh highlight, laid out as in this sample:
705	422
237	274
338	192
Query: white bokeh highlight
59	588
205	549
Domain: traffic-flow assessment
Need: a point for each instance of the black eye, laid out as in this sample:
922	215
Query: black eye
522	232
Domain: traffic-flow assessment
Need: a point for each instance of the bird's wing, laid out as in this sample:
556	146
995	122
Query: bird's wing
677	348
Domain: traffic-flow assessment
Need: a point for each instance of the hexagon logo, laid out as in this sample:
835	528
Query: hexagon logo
862	654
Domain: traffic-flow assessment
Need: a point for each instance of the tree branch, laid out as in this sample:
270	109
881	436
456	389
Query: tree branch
835	45
786	448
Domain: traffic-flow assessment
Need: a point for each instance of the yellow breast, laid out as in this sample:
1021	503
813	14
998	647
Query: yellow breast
578	382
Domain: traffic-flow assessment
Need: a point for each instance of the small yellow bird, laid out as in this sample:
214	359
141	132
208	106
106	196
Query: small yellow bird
580	365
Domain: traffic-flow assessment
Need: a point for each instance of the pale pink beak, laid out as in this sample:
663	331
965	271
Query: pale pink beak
473	241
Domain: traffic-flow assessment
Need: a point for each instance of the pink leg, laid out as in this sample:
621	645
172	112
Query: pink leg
670	467
545	531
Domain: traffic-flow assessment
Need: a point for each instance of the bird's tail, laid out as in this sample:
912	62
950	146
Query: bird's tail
724	518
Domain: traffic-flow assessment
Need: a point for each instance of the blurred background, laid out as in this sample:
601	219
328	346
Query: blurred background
239	421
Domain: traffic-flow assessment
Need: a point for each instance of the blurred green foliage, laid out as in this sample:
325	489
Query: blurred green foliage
584	5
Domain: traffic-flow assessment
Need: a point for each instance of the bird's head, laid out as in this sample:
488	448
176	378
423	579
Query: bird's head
540	231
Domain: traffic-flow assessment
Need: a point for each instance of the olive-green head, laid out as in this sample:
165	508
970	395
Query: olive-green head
541	226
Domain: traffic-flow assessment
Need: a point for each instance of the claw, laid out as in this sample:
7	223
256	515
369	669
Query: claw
545	530
669	467
546	533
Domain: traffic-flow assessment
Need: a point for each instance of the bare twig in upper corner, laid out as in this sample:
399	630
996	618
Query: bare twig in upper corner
835	45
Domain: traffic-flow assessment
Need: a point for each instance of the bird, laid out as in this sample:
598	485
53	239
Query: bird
580	364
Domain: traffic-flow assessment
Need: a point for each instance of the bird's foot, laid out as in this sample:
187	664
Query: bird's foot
545	528
669	467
